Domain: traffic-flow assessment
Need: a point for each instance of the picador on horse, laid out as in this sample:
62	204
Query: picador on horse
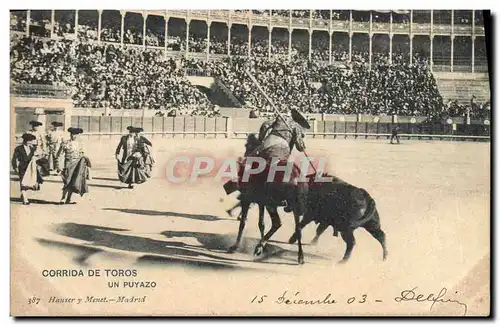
274	144
277	138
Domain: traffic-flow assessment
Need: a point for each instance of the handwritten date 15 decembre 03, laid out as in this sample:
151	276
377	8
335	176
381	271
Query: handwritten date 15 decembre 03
409	296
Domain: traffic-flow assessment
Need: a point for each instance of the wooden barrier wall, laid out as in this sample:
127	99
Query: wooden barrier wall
225	127
202	127
184	126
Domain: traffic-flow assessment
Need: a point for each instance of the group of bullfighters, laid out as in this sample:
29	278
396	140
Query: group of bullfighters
40	155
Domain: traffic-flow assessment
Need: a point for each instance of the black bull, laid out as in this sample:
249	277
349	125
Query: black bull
345	208
334	203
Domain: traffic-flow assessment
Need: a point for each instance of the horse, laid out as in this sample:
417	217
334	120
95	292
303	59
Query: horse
269	196
345	208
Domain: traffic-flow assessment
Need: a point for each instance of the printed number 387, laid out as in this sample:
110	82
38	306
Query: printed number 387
33	300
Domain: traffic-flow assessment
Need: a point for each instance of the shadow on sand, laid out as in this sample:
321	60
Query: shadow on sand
81	252
199	217
46	180
221	242
106	179
34	201
187	249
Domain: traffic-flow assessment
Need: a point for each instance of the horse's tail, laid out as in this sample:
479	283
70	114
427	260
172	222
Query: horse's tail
370	210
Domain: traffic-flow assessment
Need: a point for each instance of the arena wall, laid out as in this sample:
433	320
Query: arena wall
188	127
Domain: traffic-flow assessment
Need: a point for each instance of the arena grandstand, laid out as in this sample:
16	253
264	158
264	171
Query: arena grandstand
430	63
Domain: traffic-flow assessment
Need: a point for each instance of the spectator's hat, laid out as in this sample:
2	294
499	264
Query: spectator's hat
75	131
300	119
57	124
35	123
28	137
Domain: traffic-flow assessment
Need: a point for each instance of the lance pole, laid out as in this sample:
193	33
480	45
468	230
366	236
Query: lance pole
256	83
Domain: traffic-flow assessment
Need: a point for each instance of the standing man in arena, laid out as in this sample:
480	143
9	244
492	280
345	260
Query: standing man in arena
39	143
395	134
144	146
54	140
40	147
24	164
125	146
132	166
76	166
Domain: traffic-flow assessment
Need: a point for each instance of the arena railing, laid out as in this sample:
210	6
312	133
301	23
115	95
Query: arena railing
183	126
426	131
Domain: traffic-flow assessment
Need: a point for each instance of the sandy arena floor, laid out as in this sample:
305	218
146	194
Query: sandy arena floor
433	198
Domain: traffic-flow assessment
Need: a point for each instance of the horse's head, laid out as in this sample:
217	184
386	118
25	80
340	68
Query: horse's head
252	142
298	141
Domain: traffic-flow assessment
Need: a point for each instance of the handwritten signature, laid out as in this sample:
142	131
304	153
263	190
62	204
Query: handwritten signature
413	295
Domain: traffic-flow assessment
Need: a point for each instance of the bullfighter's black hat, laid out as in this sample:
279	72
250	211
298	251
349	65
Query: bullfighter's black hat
57	124
130	128
300	119
75	131
28	137
137	130
35	123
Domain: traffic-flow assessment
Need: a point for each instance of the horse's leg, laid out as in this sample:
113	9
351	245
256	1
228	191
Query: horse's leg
373	227
348	236
275	222
275	225
319	231
244	211
261	222
260	246
298	212
298	234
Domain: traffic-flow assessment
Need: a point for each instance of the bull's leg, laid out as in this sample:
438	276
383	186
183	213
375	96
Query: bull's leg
373	227
319	231
244	212
348	236
380	236
305	221
275	225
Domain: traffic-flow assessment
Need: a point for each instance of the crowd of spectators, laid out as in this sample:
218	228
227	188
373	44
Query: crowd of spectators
111	33
218	45
155	39
107	76
387	88
133	78
239	46
474	109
